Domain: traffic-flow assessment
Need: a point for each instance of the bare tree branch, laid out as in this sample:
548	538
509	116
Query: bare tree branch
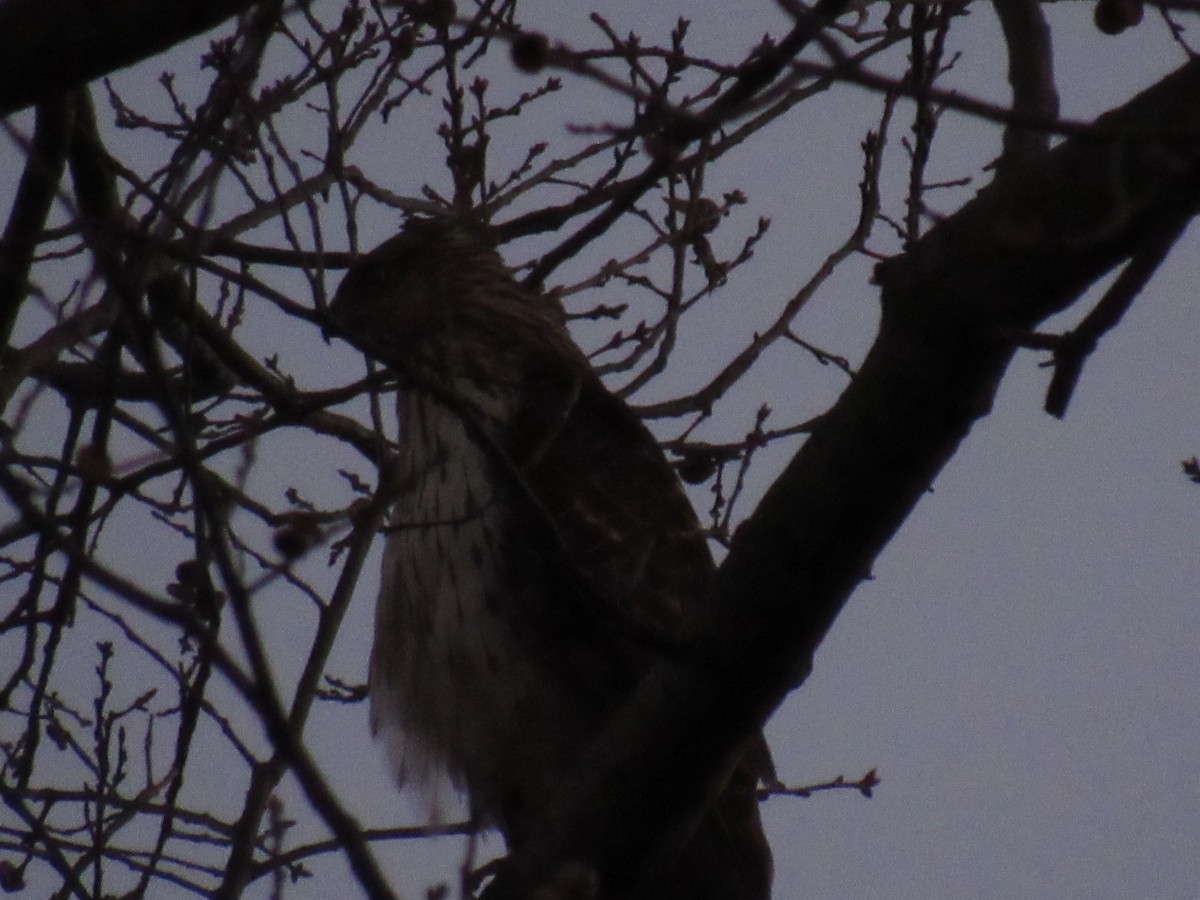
169	367
48	47
1031	74
1025	247
35	192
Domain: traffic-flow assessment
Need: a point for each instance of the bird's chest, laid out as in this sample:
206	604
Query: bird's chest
443	554
456	685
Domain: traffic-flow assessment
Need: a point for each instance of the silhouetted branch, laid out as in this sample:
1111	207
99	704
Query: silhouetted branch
948	303
49	47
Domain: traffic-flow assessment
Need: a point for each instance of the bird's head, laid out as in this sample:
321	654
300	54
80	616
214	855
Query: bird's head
441	284
410	286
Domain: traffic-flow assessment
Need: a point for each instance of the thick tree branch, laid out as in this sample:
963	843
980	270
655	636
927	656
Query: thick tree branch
1031	74
1027	246
1074	347
31	206
50	46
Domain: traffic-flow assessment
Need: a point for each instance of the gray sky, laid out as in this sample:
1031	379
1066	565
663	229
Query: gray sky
1022	670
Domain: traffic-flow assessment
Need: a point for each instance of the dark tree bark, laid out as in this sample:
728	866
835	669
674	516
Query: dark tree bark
50	46
955	309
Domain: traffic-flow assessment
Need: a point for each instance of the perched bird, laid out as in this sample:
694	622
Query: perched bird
540	554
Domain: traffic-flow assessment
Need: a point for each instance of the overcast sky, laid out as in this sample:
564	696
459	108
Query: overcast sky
1022	669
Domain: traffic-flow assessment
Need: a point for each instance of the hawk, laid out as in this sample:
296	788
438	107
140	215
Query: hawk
540	553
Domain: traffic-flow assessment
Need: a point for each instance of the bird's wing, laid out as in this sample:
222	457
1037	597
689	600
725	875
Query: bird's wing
618	527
